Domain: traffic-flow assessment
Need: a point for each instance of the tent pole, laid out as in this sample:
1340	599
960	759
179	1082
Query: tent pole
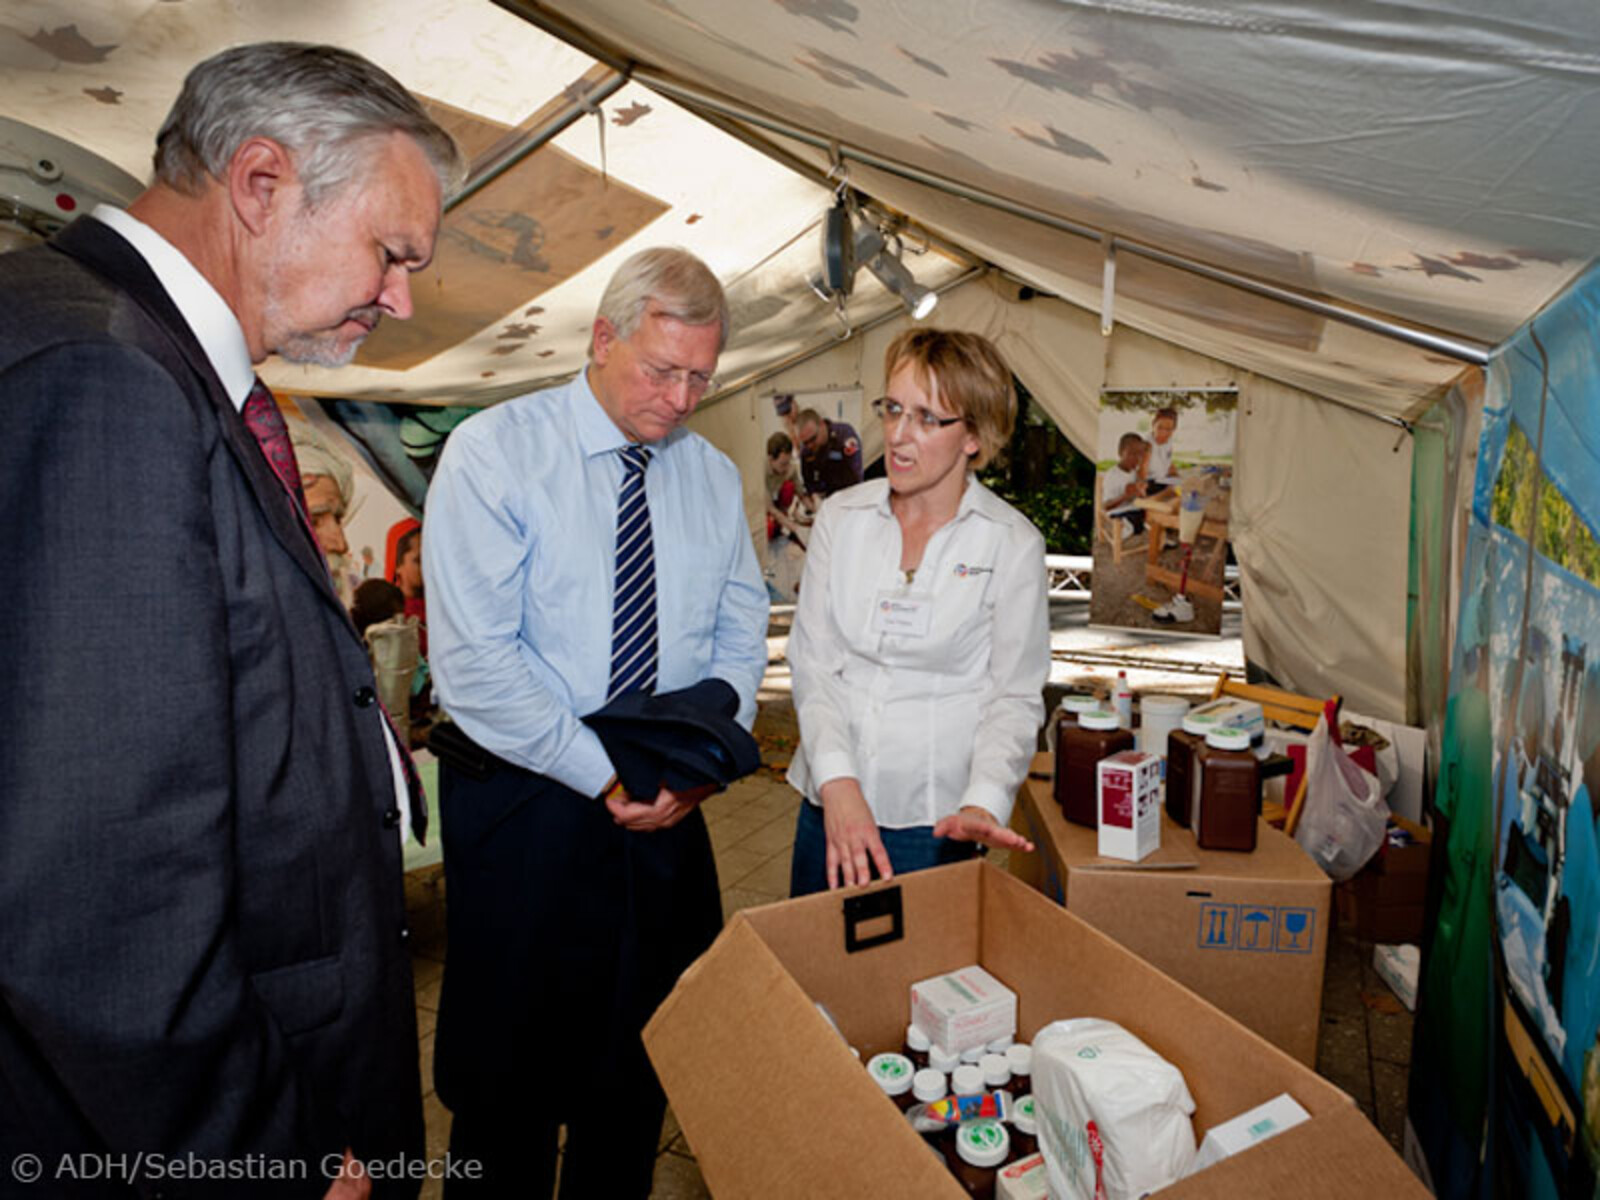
698	99
579	39
486	171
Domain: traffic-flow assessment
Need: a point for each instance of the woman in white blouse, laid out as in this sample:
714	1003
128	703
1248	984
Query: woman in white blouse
921	643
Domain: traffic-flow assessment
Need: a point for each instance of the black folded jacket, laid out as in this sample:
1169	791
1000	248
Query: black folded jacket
677	740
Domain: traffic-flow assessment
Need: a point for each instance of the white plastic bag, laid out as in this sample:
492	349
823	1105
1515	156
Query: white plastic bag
1343	816
1114	1116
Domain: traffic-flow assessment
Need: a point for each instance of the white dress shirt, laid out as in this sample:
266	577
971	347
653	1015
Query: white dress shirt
926	722
218	331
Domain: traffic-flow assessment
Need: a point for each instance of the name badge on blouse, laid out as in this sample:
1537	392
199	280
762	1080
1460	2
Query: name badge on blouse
902	616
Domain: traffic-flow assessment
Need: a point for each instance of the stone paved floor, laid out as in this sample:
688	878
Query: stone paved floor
1365	1046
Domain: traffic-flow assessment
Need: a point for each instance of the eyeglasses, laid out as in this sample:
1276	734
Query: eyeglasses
889	411
698	382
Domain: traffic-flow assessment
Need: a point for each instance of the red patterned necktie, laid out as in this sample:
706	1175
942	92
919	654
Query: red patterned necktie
265	420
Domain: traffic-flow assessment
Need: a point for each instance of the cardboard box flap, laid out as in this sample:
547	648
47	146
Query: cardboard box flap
939	934
1338	1155
1041	951
752	1105
1275	856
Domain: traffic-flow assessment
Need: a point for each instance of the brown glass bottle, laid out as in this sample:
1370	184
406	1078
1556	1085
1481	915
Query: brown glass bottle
1021	1056
916	1046
894	1074
1182	746
1065	716
1079	750
996	1070
982	1148
1229	796
965	1080
1024	1128
928	1086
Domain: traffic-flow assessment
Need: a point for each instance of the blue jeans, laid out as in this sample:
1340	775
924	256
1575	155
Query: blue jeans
909	850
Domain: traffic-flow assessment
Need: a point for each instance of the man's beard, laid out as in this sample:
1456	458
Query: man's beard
326	349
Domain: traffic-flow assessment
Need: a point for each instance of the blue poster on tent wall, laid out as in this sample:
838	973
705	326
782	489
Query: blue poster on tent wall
1505	1085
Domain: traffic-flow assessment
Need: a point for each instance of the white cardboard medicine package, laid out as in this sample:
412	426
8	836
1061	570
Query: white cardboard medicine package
962	1009
1023	1179
1129	795
1114	1115
1230	712
1250	1129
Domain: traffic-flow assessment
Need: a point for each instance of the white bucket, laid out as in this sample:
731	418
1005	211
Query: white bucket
1159	716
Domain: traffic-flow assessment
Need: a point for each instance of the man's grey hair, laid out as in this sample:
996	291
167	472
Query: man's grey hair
681	286
324	105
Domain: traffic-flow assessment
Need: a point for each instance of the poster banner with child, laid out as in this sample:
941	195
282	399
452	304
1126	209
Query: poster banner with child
1162	490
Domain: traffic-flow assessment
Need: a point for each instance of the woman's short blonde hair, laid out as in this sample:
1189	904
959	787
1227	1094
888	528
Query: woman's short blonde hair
966	373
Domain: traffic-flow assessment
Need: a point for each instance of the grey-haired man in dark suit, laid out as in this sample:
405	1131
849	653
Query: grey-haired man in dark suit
200	831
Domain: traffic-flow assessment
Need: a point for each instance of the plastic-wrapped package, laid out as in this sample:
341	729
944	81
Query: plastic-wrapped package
1113	1115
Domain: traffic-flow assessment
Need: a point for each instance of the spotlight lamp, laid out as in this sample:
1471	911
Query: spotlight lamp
897	277
846	249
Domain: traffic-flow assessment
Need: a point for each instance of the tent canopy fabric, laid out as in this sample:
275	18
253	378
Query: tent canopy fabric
1427	161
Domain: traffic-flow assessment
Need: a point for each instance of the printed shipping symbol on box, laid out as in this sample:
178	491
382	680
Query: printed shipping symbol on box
1296	930
1256	926
1259	928
1217	926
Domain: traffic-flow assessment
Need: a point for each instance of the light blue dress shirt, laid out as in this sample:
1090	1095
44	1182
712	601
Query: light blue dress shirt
518	556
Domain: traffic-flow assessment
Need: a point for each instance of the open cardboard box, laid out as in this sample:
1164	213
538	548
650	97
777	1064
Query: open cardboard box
1249	932
773	1103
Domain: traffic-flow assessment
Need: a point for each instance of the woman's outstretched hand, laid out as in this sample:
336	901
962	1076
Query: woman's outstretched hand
974	824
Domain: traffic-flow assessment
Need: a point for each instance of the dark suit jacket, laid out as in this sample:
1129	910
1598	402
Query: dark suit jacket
680	740
201	913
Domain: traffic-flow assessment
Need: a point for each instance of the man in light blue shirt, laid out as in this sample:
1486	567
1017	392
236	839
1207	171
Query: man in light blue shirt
580	543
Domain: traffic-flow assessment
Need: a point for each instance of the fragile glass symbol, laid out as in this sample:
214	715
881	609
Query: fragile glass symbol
1295	923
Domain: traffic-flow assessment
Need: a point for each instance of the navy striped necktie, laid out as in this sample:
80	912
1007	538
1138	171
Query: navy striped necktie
633	605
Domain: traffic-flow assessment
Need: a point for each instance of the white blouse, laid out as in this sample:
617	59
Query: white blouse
928	693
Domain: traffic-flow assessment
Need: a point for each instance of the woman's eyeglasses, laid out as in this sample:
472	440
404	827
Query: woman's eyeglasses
889	411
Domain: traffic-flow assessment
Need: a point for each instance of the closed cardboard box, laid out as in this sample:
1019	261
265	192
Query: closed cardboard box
1385	901
1248	931
775	1106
